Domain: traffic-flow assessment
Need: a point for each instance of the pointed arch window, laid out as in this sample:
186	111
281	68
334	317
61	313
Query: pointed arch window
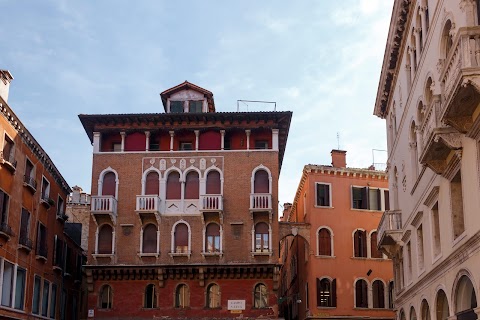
152	186
326	292
442	309
360	244
192	185
109	184
262	237
182	296
150	297
181	238
260	296
149	240
213	183
361	294
261	182
105	239
213	296
324	242
374	252
378	294
106	297
213	238
174	186
425	311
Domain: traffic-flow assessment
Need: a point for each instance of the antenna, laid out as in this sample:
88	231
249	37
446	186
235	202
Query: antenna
338	140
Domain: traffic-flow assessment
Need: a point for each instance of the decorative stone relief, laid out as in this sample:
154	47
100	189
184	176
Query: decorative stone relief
203	164
163	164
183	164
404	183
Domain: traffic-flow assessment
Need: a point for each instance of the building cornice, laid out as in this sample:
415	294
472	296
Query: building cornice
391	59
33	145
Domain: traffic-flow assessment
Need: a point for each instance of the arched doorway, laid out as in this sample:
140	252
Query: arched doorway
465	299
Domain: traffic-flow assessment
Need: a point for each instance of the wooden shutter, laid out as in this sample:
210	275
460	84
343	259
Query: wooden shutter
261	184
213	183
387	199
149	239
192	185
24	223
373	246
363	242
109	184
364	204
173	186
152	183
7	148
324	239
105	237
334	293
326	191
379	199
3	207
381	295
319	289
356	244
181	235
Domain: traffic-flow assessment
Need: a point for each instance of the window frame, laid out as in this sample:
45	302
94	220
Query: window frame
195	105
364	246
154	297
142	240
206	237
262	239
258	295
332	298
172	107
109	304
45	192
364	293
209	299
332	253
182	293
382	194
317	205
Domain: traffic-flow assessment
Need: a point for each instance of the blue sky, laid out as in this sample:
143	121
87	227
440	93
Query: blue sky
319	59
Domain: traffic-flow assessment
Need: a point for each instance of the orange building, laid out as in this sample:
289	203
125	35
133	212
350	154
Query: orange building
184	222
333	268
40	254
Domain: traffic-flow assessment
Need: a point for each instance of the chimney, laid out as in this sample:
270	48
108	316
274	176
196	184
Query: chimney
339	158
5	79
286	211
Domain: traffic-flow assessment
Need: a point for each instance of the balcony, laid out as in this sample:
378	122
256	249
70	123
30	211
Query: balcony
104	207
42	252
460	77
62	216
25	243
260	202
148	205
8	161
46	201
30	183
211	203
390	231
441	149
6	231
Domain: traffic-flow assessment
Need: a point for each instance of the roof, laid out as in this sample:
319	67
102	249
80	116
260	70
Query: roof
198	121
391	59
6	76
188	86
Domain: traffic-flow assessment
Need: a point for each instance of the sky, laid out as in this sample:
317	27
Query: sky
320	59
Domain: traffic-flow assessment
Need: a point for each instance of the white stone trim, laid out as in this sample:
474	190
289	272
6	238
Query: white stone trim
331	240
100	181
252	180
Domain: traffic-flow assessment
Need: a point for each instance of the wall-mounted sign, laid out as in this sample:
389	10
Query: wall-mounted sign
91	313
236	304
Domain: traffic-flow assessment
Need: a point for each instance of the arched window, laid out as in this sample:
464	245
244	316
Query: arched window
105	238
374	252
447	38
326	293
213	296
361	294
181	238
419	32
105	301
150	296
378	294
174	186
192	185
428	93
413	314
442	310
414	150
420	111
324	242
109	184
213	238
391	289
182	296
152	183
360	244
261	296
213	183
261	182
262	237
425	310
465	299
149	241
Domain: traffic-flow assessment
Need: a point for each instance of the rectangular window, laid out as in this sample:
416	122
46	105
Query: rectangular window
4	201
53	301
176	106
456	197
20	289
261	144
409	262
42	241
36	295
60	207
420	247
45	297
436	230
195	106
323	195
8	150
186	146
227	143
7	284
386	196
29	172
367	198
24	226
45	189
58	253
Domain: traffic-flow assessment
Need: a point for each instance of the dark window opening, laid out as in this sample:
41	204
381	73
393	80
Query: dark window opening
261	144
323	195
176	107
195	106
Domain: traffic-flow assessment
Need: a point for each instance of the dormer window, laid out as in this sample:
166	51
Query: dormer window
195	106
176	106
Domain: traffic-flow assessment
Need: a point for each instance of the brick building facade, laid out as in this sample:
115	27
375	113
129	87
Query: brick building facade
184	219
333	268
40	258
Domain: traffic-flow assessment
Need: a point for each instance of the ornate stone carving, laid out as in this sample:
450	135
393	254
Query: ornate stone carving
183	164
163	164
203	164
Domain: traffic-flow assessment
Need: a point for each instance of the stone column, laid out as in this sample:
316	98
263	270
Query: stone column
222	141
418	42
172	134
413	67
147	140
96	142
423	17
275	139
197	134
122	147
247	133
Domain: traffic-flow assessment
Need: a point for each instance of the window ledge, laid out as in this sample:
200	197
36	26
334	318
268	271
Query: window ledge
156	255
212	254
268	253
459	238
320	307
103	255
366	210
359	258
323	207
39	257
180	254
318	256
436	258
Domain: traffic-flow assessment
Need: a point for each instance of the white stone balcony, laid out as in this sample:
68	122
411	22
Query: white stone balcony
104	206
390	230
211	203
260	202
148	205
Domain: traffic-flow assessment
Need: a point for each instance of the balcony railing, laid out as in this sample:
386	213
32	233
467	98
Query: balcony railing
9	160
211	202
104	205
42	251
148	203
62	216
25	242
260	201
30	182
5	230
391	221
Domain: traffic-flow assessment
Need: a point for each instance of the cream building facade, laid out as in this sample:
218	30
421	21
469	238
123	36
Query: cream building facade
429	95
